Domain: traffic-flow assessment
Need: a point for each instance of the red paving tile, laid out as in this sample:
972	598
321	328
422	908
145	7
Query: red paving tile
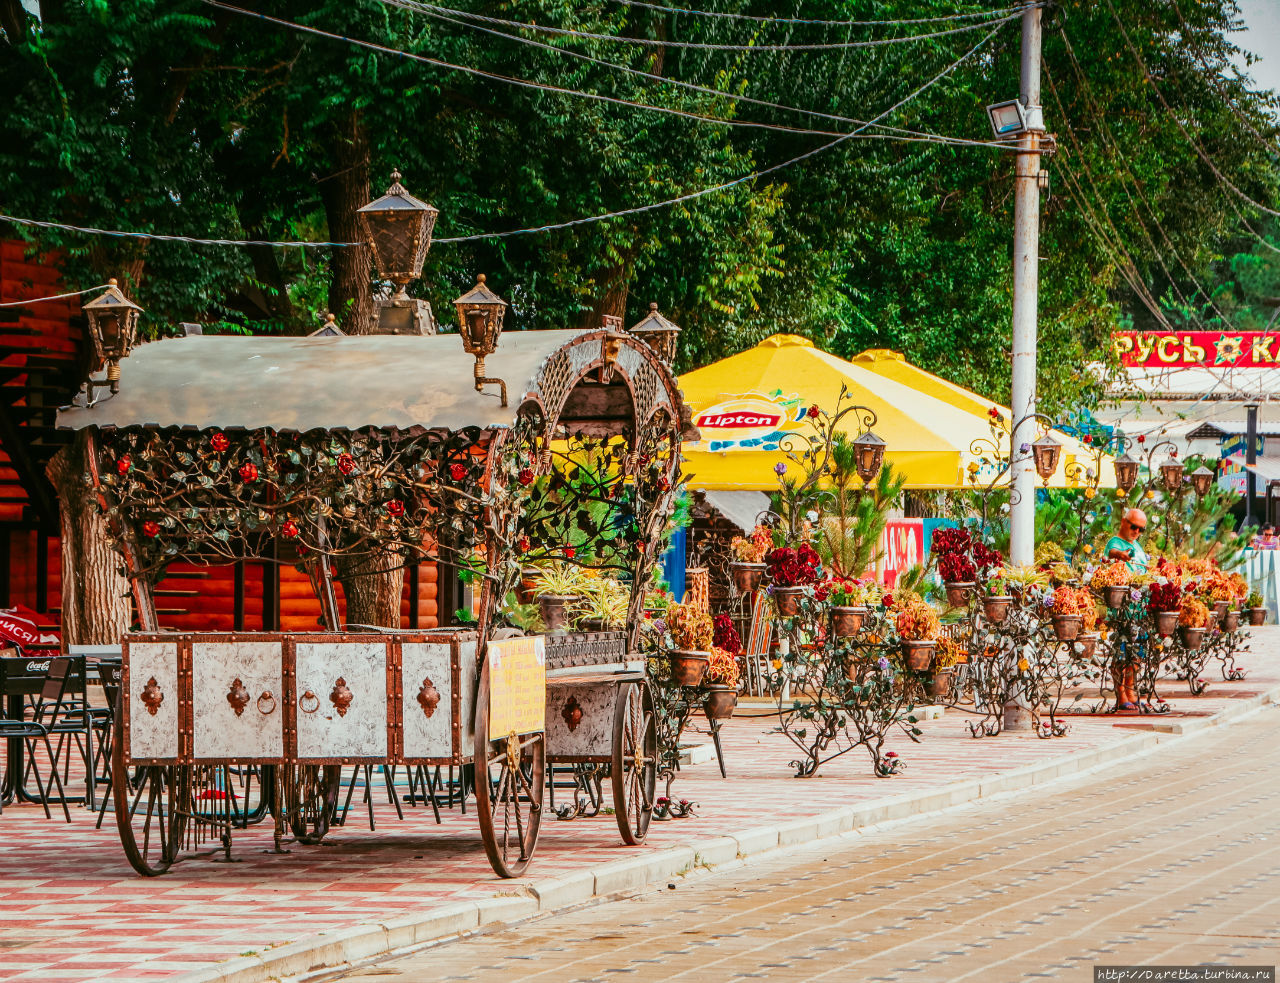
68	890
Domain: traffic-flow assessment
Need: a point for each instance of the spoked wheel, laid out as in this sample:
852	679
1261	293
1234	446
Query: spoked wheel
634	767
306	797
510	780
147	813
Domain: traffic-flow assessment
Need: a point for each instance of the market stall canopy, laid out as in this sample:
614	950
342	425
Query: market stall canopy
893	365
332	383
746	404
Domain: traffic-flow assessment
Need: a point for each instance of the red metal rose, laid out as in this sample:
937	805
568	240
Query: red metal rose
219	442
457	471
346	464
570	552
248	472
289	530
123	465
525	477
395	507
524	544
151	529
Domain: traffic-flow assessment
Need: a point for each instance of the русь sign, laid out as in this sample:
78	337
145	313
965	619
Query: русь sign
1183	349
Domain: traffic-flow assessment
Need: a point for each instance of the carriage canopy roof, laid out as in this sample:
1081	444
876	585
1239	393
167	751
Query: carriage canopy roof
330	383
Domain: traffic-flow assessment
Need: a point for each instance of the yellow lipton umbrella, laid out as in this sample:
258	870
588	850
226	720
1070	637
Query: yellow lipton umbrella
892	365
748	405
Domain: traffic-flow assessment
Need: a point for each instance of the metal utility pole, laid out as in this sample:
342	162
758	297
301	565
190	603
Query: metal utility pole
1026	283
1250	459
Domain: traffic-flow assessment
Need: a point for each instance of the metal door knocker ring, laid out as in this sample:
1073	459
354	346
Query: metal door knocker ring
266	703
309	703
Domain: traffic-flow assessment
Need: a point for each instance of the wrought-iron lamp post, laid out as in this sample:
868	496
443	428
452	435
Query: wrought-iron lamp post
113	329
397	228
658	333
480	313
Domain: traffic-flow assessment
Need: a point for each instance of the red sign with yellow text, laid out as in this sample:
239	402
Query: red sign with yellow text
1190	349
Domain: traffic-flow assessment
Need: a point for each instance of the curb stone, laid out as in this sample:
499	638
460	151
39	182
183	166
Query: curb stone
345	948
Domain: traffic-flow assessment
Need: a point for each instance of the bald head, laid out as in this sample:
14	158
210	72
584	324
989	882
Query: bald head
1133	524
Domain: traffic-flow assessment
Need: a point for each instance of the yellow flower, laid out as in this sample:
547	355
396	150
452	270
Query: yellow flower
1089	493
1023	664
1151	493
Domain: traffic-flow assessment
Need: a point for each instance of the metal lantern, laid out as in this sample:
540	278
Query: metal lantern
1202	481
1046	451
868	455
658	333
1126	472
1171	474
113	328
480	313
397	228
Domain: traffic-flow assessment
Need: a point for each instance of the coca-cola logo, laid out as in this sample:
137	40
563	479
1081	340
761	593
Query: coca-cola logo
731	421
38	666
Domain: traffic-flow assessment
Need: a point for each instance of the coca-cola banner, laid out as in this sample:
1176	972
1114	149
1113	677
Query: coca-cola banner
1188	349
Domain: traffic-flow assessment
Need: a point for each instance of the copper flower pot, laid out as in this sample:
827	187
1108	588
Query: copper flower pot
553	609
1066	627
1166	621
787	600
918	655
846	620
1114	597
1088	645
1231	621
1257	616
746	576
688	668
1220	609
719	702
1191	637
939	685
958	593
995	608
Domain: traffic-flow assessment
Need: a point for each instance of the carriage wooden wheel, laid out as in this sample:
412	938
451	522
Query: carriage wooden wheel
146	805
634	767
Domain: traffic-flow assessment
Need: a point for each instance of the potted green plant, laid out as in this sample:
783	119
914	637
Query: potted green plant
691	633
848	600
949	654
1256	609
748	552
1193	621
557	587
721	685
1019	581
918	629
603	605
995	596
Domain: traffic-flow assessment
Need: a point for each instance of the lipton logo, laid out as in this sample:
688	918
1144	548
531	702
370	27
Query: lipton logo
738	420
38	666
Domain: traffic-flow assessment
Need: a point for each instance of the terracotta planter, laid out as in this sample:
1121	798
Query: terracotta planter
939	685
719	702
958	593
746	576
787	600
1220	609
846	621
1257	616
1191	637
553	608
1114	597
918	655
995	607
1166	621
688	668
1231	621
524	590
1066	627
1088	645
593	624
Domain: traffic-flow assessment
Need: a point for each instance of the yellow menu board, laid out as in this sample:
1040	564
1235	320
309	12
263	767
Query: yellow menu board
517	686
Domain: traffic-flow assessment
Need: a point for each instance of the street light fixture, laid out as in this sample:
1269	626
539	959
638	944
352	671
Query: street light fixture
1046	451
1008	119
1202	481
480	313
1171	474
113	328
658	333
1126	473
868	455
397	228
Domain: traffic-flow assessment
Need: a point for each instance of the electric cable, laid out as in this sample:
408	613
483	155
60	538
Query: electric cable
37	300
760	18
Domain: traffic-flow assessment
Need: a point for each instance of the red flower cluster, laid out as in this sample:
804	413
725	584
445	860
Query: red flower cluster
219	442
725	634
951	541
248	472
956	568
1164	597
793	567
289	530
123	465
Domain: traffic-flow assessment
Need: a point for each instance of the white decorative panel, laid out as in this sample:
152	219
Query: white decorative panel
342	699
580	719
468	676
153	699
427	709
237	689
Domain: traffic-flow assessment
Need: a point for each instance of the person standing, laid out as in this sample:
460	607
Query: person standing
1125	546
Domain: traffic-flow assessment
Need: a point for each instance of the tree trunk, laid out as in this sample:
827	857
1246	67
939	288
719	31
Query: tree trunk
372	584
96	604
611	297
344	190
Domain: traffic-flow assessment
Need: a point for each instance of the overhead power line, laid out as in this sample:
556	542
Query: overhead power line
766	19
710	46
556	225
37	300
429	10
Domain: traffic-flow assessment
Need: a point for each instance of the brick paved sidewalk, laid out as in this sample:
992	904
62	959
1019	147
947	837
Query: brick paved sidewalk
72	909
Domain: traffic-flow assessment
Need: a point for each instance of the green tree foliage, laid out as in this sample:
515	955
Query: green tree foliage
854	517
179	117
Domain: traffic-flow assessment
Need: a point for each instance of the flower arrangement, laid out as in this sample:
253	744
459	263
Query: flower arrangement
1193	613
1047	554
793	567
916	621
1024	577
1165	596
1217	588
1114	574
723	668
1253	600
752	548
957	568
848	593
1239	586
657	601
996	583
724	635
949	653
691	630
1072	601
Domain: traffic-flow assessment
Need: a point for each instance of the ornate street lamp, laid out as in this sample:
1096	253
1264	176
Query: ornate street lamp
1126	473
1171	474
659	334
480	313
868	456
1202	481
113	329
397	228
1046	451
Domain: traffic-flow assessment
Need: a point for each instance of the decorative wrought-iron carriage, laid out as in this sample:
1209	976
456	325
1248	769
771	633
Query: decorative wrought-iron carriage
333	450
